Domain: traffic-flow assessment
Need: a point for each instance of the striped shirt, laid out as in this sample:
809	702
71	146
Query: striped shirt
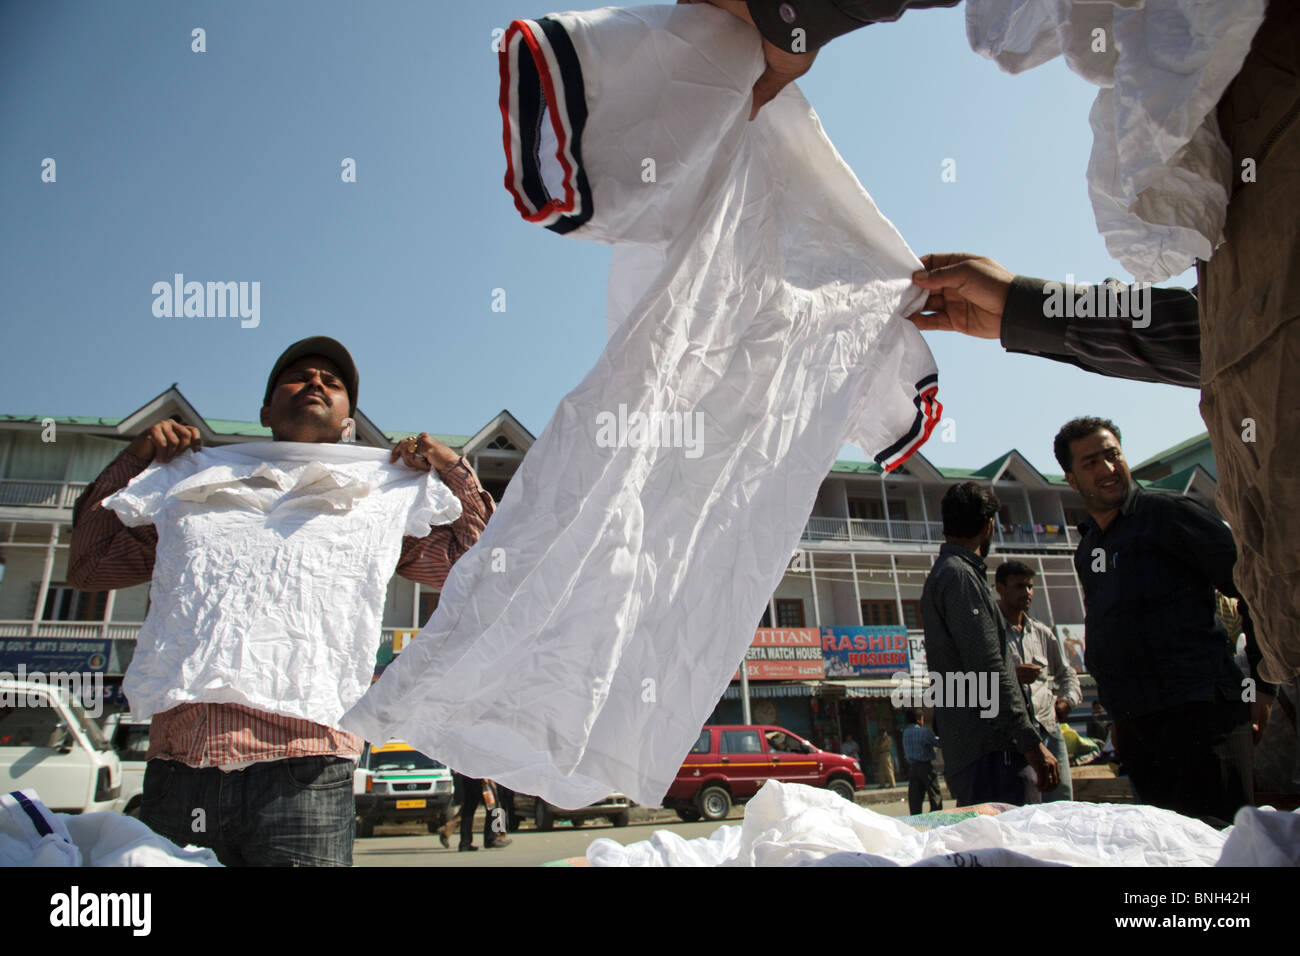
919	743
106	554
1134	332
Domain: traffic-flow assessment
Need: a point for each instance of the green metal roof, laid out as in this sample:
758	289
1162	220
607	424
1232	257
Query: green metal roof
993	467
1175	482
61	419
1202	438
857	467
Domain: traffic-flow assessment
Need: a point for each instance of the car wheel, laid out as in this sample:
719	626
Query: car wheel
842	787
577	821
688	815
621	819
543	816
714	803
365	829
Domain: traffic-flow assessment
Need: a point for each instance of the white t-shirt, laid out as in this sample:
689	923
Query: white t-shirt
1160	174
272	567
756	304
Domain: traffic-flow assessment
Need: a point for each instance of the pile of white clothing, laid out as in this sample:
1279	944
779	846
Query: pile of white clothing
32	835
796	825
272	568
1160	174
756	304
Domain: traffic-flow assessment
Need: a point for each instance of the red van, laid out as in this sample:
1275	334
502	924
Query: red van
729	763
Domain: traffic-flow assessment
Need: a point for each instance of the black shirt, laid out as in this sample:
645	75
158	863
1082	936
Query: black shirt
1148	582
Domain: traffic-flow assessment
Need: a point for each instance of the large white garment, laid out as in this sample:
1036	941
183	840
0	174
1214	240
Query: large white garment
272	567
788	824
756	306
1160	174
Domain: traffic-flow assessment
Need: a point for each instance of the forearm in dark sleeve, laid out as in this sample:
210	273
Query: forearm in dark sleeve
824	20
1163	345
105	553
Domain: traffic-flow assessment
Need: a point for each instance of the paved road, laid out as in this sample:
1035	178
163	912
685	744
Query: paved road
409	846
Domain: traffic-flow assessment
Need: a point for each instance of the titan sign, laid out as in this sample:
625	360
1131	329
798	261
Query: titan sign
784	653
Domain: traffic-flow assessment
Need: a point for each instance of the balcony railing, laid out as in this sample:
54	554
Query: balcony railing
70	630
847	530
16	492
101	630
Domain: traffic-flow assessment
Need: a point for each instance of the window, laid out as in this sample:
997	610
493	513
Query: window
39	726
789	612
781	742
702	745
501	442
63	603
869	509
428	604
879	613
741	742
912	615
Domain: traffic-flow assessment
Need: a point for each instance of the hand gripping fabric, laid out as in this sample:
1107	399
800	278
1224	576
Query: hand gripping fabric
272	567
756	304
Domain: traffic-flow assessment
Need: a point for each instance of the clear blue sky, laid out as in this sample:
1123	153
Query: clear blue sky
225	165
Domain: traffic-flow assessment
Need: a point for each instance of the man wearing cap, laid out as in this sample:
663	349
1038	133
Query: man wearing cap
280	786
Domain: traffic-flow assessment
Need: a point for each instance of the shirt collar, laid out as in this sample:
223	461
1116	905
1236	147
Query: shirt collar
1126	509
966	554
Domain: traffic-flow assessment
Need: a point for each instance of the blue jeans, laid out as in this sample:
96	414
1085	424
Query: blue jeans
296	812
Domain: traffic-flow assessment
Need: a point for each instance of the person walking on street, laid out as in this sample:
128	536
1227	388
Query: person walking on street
919	743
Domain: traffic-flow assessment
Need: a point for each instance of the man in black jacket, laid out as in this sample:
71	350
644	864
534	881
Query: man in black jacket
1149	565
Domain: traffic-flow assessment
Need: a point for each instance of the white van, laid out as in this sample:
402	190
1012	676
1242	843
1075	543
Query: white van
48	744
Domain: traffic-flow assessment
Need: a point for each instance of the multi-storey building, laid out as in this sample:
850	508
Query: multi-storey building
862	560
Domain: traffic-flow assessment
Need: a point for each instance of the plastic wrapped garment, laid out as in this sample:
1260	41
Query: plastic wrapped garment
33	835
795	825
756	302
1160	175
272	567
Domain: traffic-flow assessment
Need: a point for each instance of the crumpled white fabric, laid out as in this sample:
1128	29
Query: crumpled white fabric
1263	837
272	568
796	825
1159	175
578	648
33	835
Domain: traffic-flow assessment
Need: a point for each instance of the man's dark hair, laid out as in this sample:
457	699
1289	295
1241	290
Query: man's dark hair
910	716
1013	569
965	509
1075	429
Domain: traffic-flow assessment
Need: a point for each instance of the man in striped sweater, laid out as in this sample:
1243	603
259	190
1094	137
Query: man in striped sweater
273	790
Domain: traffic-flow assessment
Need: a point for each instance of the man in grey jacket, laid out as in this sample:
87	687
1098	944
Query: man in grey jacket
987	741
